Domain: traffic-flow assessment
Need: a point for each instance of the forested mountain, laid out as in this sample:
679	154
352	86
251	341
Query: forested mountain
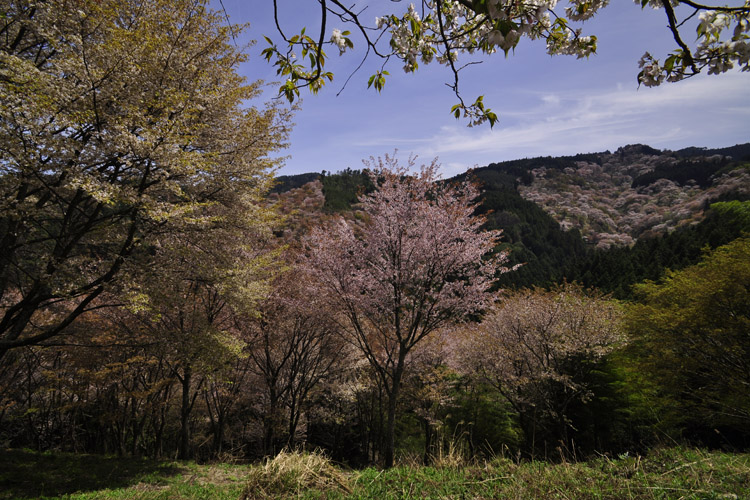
616	198
607	220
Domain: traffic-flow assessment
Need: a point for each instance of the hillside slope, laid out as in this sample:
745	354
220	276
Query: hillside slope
606	219
613	199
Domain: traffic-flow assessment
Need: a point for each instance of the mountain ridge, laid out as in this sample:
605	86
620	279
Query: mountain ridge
606	219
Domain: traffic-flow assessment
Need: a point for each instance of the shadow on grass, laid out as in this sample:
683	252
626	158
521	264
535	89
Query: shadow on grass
26	474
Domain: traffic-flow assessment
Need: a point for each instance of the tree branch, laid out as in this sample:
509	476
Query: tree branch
687	55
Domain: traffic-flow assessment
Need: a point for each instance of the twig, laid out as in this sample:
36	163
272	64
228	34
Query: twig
684	465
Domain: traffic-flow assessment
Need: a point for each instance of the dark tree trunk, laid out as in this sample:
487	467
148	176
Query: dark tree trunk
390	431
184	438
270	423
427	459
294	415
219	434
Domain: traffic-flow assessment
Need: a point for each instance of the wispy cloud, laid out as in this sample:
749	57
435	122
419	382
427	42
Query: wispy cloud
672	116
705	111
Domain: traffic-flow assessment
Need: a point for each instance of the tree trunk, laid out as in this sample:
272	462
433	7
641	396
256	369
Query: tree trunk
184	439
219	435
294	416
390	431
427	459
270	423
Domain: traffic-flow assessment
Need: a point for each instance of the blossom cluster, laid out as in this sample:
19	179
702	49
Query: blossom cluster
445	32
712	52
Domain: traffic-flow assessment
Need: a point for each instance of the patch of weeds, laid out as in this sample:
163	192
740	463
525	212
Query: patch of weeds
675	473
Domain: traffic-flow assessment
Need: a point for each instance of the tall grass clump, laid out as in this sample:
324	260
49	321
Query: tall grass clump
291	473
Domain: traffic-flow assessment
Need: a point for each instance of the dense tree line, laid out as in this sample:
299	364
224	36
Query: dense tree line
159	298
189	373
616	270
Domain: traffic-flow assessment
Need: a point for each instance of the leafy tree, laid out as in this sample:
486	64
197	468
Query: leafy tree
411	263
691	336
342	189
120	119
197	284
444	30
538	348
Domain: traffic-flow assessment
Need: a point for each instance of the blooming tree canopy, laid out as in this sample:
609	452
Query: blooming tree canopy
537	347
444	30
119	120
414	260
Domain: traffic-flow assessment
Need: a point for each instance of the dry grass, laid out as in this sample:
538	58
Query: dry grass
291	473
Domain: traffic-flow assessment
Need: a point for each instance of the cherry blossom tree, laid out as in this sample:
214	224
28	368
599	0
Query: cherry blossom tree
537	347
444	31
414	260
293	345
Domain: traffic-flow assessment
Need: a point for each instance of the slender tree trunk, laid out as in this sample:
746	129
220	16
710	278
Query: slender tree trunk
293	421
390	431
219	435
427	459
184	439
293	424
269	423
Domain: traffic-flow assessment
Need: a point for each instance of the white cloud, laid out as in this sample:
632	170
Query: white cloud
692	112
552	99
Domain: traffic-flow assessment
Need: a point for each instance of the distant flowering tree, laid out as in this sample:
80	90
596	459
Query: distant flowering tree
446	30
538	347
414	260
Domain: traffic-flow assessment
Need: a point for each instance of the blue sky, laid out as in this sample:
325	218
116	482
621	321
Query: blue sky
546	105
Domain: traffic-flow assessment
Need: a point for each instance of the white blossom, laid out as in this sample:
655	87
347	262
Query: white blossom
652	74
338	39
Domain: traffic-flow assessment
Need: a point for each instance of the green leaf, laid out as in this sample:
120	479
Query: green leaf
669	63
491	117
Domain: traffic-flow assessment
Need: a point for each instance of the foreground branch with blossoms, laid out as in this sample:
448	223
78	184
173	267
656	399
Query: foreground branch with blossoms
445	31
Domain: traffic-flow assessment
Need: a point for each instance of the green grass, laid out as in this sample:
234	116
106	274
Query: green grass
670	473
25	475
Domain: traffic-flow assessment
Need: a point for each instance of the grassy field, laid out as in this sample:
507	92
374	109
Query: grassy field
671	473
